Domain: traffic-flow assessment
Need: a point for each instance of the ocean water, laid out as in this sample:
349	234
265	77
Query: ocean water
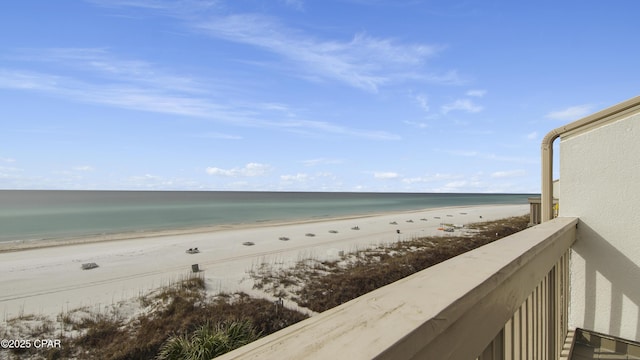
50	214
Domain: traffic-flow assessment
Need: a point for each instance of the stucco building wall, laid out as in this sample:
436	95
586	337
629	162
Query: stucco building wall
600	172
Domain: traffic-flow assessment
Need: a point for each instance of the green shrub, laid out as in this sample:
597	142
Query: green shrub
209	341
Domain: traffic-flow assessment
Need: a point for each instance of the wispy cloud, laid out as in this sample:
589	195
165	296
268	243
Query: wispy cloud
570	113
493	157
386	175
28	80
299	177
138	85
145	4
423	101
508	174
461	105
84	168
101	64
451	77
130	89
312	127
214	135
157	182
168	8
363	61
295	4
419	125
321	161
249	170
477	93
532	135
432	178
473	184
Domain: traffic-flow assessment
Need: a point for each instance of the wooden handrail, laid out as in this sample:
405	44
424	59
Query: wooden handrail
452	310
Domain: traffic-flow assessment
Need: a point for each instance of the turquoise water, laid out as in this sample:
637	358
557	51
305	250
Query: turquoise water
44	214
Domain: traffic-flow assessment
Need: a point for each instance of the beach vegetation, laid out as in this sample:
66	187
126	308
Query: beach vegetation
321	285
179	314
209	341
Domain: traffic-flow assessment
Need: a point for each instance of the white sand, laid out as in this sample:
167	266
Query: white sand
50	280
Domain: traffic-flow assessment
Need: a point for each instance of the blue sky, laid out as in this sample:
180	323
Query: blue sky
301	95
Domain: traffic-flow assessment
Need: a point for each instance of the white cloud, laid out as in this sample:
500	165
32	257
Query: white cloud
308	126
449	78
419	125
83	168
170	97
296	177
423	101
296	4
432	178
214	135
494	157
463	105
386	175
467	153
363	61
154	182
321	161
457	185
571	113
508	174
249	170
146	4
144	177
128	95
102	63
7	160
477	93
6	170
532	135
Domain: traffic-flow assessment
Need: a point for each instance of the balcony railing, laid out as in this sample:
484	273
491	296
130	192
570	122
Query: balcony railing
504	300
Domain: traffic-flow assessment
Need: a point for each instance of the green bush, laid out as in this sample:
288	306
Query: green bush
209	341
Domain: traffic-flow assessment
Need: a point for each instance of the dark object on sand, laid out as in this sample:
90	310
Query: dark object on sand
195	268
89	266
248	243
192	251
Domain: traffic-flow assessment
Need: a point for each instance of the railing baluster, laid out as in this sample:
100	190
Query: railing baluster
537	329
508	340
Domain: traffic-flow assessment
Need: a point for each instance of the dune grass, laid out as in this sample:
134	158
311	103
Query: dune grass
180	313
320	286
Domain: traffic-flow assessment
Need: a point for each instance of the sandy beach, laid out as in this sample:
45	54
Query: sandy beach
49	280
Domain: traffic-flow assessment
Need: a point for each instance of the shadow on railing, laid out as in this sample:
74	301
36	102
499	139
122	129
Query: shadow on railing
504	300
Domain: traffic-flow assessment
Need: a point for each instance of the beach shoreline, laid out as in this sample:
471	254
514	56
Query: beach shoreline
49	279
30	244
